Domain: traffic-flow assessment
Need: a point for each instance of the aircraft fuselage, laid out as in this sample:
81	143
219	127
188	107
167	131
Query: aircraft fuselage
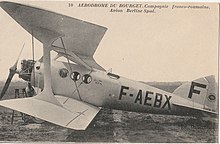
107	90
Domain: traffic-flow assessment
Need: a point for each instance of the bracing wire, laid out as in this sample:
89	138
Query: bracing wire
70	68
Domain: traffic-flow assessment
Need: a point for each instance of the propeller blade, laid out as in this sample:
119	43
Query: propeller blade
12	72
14	67
8	81
20	53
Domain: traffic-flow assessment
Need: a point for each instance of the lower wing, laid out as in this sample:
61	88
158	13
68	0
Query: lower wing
71	114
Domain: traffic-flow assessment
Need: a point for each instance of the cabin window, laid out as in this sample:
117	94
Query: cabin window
87	78
37	67
75	76
63	72
113	76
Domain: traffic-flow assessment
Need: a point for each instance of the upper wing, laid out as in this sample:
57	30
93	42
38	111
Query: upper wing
80	37
71	114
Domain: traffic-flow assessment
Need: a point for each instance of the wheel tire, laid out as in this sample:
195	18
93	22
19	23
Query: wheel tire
37	120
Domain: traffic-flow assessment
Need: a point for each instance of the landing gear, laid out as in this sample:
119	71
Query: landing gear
22	93
30	119
37	120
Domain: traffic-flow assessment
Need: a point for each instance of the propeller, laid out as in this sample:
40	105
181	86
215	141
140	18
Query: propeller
12	72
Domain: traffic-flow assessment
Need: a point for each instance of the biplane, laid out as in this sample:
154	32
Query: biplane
73	92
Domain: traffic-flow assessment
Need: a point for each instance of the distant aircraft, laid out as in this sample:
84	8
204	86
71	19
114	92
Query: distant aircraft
73	92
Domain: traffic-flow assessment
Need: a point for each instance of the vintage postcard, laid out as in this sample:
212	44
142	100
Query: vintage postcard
93	71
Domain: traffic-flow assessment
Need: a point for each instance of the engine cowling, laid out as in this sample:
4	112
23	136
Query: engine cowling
26	69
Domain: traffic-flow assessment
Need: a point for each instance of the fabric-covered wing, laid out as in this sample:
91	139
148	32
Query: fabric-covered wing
71	114
79	37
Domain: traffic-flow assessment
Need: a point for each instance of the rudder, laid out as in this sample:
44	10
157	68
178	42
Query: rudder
202	91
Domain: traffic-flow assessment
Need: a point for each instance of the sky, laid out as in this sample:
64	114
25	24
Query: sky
168	45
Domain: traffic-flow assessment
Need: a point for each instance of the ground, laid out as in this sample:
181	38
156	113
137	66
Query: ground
112	126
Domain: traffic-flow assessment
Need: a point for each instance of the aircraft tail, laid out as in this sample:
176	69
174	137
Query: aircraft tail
201	92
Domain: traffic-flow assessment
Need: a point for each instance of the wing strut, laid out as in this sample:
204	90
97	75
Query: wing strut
32	40
47	94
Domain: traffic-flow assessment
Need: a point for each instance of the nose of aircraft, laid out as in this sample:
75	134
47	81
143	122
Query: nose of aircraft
26	69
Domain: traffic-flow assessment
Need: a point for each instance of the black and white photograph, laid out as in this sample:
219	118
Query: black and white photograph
109	71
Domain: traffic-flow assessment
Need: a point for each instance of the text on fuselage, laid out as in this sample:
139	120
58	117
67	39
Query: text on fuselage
146	98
